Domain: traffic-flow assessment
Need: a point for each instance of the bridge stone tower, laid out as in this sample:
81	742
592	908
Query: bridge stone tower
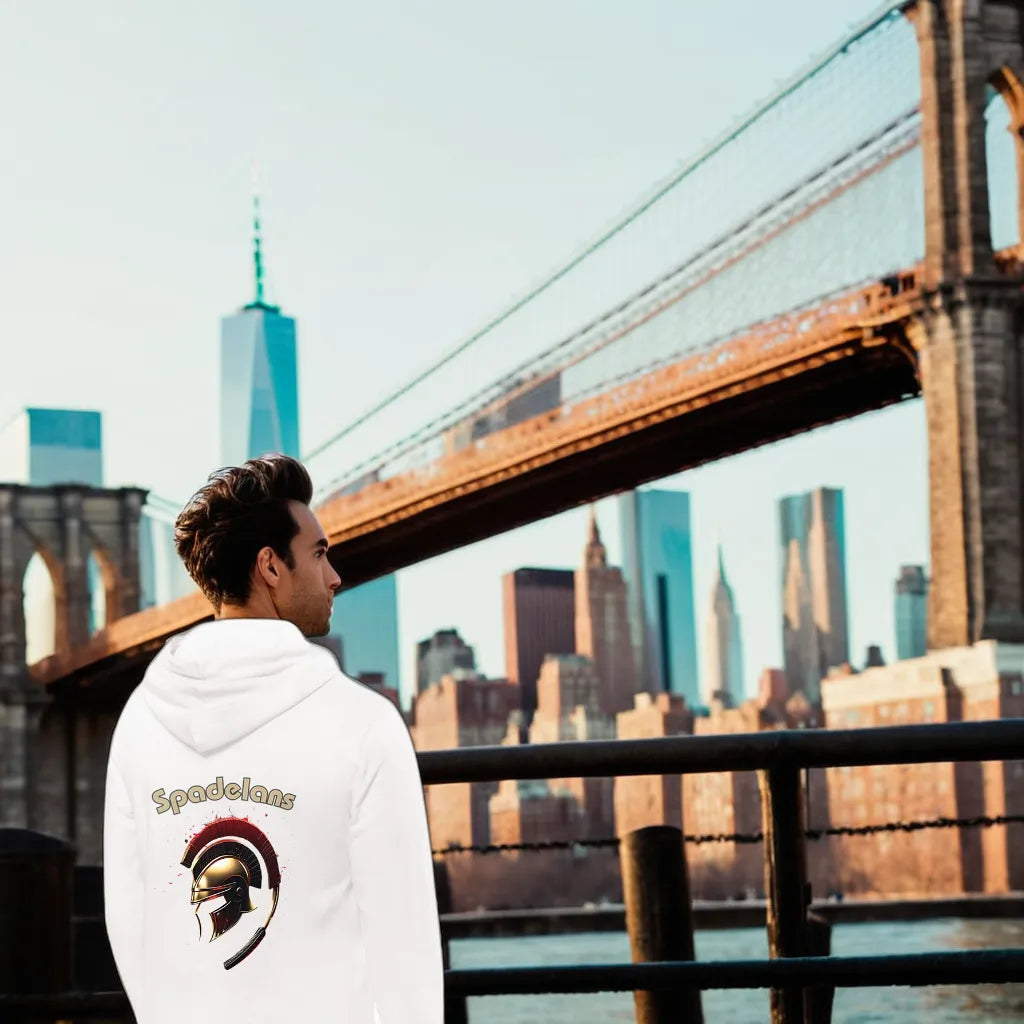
64	523
969	339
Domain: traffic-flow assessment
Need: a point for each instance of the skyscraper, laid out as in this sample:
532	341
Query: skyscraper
260	414
657	563
911	607
540	619
814	628
259	378
602	624
725	648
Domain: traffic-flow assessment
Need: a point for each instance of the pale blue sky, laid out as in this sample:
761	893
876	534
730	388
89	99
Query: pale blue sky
421	163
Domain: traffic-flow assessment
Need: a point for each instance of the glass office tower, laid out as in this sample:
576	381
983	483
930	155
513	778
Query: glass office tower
259	409
657	562
911	608
365	619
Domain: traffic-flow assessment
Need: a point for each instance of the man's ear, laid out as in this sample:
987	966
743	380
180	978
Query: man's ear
266	567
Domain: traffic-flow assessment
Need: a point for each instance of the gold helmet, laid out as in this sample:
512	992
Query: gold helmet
225	869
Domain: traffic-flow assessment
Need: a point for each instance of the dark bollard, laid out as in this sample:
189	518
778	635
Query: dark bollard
36	872
455	1011
659	918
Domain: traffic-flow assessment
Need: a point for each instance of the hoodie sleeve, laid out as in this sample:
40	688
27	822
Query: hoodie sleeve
122	884
393	878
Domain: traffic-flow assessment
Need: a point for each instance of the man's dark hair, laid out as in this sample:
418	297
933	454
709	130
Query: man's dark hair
240	510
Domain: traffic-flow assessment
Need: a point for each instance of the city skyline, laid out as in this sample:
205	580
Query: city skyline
533	602
118	255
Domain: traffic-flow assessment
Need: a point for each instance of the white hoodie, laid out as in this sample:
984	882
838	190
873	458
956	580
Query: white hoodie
247	765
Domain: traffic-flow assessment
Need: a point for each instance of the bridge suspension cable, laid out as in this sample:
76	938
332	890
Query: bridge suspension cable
869	156
703	171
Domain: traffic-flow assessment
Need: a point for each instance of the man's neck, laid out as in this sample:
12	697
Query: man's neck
257	607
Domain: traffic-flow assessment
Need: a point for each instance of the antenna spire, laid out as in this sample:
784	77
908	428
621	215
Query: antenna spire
257	236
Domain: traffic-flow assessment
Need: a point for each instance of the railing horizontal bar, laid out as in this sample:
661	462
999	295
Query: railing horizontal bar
994	966
991	966
1001	740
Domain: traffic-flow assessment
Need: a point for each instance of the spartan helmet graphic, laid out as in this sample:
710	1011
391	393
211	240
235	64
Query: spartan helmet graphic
223	872
225	869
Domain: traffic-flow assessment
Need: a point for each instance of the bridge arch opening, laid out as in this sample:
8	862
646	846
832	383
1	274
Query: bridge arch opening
39	601
1004	156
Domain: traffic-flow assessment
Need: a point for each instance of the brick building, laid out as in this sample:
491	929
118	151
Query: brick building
602	625
642	800
533	810
568	709
985	681
462	713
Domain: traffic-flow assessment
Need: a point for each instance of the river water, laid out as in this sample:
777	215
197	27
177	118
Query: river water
936	1005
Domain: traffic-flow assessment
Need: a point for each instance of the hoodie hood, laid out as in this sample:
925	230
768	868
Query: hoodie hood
219	681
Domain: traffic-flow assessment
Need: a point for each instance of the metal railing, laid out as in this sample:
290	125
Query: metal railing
780	756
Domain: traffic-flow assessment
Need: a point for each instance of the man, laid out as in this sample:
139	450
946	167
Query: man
266	848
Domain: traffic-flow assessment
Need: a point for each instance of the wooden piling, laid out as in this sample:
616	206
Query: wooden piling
455	1010
659	918
785	880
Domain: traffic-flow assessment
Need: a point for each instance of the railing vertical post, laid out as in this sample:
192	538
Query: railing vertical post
785	880
455	1011
659	918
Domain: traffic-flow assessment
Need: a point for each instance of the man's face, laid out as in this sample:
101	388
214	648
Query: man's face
305	595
